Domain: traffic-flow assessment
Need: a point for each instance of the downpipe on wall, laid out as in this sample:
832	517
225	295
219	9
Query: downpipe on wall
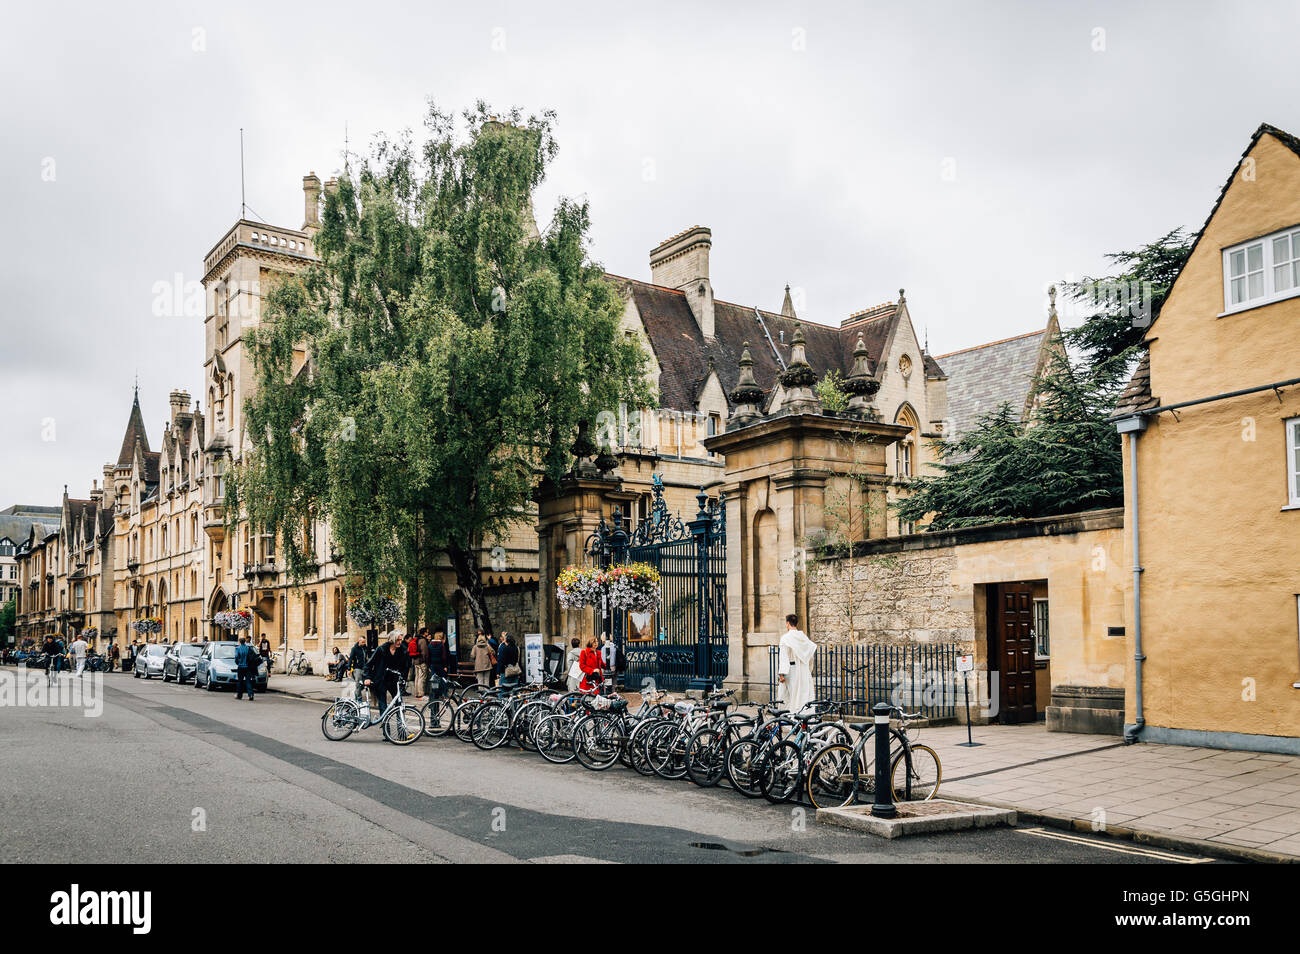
1133	427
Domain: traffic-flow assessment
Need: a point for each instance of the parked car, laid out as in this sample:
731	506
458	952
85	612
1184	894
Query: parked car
181	661
149	660
216	667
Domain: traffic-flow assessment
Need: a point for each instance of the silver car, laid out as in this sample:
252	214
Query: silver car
149	660
216	667
181	662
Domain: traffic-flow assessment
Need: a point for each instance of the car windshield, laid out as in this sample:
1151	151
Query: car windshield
225	651
188	650
158	651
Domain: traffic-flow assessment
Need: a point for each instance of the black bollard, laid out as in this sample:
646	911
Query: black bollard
884	804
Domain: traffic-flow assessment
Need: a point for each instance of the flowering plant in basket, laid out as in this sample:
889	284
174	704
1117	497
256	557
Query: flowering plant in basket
233	620
364	613
634	587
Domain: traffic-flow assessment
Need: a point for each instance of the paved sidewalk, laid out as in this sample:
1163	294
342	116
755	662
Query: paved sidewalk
1237	802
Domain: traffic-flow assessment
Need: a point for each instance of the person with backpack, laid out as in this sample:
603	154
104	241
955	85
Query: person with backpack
246	662
438	662
508	661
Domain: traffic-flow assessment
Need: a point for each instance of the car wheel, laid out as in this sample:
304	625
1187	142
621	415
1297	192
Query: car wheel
135	673
209	686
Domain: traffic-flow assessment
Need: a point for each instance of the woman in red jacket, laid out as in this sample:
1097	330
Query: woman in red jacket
590	663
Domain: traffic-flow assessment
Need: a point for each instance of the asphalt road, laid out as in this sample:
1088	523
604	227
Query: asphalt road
170	774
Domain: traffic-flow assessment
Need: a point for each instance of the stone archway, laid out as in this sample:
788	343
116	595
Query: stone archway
216	604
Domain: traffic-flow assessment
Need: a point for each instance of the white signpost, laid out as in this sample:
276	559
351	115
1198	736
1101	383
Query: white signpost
965	665
534	656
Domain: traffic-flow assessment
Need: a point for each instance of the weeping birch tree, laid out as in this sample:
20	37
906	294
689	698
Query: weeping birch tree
413	387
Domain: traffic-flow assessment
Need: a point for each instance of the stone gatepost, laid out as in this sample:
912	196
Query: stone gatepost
568	512
779	472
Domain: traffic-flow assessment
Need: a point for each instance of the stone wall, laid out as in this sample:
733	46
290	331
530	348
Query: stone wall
889	598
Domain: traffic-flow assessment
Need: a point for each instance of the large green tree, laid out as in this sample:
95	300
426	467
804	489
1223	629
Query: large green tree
8	612
414	386
1065	458
1118	308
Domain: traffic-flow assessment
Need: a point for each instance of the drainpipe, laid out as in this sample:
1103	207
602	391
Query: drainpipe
1133	427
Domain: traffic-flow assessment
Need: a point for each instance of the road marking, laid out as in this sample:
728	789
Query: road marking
1124	849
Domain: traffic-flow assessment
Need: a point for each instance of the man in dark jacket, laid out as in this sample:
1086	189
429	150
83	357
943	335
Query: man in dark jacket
507	655
382	673
246	662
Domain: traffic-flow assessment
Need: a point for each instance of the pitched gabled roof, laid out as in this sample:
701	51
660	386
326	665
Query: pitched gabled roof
135	432
1286	139
686	358
983	377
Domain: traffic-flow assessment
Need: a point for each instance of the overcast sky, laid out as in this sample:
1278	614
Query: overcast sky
971	153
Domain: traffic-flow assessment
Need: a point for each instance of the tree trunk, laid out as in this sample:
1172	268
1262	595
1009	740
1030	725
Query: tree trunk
471	584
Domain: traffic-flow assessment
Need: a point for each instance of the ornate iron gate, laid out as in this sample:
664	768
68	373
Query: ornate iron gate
683	644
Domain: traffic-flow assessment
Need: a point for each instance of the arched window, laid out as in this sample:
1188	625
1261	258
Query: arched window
906	448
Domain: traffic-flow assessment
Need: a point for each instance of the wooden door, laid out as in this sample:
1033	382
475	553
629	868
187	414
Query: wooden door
1013	635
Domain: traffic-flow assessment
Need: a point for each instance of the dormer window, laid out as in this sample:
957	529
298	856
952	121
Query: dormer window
1262	270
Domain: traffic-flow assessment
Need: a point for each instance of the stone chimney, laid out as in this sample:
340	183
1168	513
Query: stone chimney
311	204
96	495
682	262
180	404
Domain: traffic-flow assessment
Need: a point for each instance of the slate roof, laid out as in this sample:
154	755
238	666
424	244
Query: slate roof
135	431
18	529
1137	393
981	378
686	358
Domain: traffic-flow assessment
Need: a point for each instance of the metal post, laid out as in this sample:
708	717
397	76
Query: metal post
884	804
699	527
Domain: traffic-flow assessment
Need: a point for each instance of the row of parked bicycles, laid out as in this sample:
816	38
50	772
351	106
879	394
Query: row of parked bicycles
759	749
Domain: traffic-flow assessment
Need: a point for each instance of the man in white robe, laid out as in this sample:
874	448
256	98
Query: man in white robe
794	666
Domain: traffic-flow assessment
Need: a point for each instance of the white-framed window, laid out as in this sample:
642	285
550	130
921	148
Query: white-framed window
1262	270
1292	426
1042	640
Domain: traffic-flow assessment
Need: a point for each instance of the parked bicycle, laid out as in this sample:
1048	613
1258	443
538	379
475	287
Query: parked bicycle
841	774
401	724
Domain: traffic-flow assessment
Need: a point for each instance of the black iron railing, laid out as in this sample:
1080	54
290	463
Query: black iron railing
914	676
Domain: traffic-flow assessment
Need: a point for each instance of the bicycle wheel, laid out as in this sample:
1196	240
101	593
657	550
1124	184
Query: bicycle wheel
464	718
554	738
666	750
491	725
437	714
829	781
403	725
339	721
596	741
924	776
744	768
706	757
526	720
781	781
636	755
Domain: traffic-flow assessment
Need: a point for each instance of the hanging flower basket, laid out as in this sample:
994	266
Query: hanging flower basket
233	620
634	587
579	586
363	613
90	632
147	625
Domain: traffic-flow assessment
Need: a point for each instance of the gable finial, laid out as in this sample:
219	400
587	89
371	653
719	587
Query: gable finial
902	297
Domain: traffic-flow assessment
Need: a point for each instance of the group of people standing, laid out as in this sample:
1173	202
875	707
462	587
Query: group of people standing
496	661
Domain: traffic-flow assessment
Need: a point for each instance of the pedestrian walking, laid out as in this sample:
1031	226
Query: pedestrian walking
794	666
246	663
483	659
573	671
264	650
421	662
78	651
114	656
590	664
